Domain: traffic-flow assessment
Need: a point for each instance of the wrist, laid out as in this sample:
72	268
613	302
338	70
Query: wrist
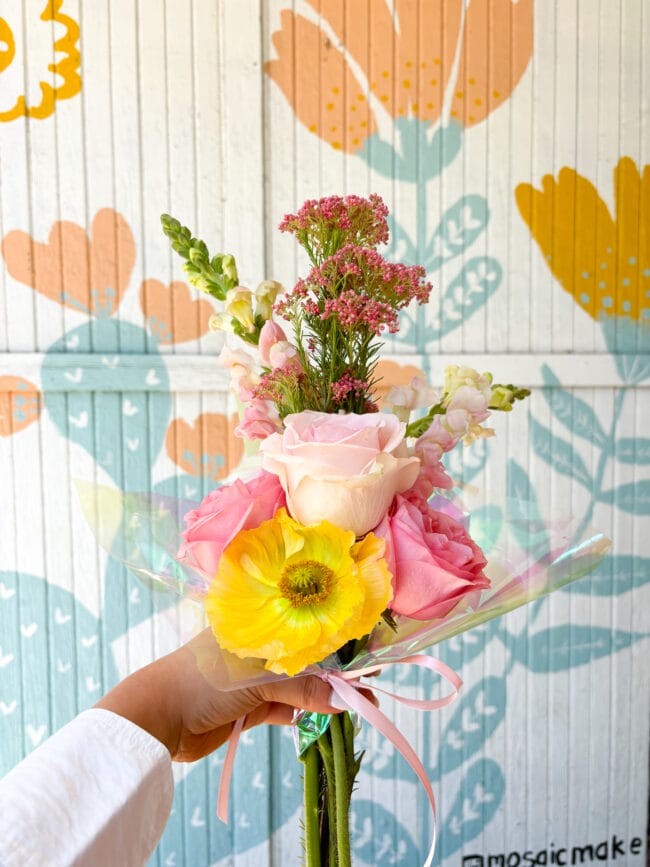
147	698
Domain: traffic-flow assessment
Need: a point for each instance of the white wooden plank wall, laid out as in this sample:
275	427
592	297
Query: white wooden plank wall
177	111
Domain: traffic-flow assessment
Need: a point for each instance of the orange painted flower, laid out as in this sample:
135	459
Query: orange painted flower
208	448
20	404
171	312
389	374
411	64
53	45
603	261
88	275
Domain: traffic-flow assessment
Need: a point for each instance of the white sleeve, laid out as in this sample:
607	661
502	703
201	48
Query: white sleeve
98	793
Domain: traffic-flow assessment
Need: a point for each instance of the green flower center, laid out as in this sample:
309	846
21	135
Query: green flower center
306	583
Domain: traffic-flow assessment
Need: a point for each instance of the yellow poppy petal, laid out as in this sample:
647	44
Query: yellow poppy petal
291	594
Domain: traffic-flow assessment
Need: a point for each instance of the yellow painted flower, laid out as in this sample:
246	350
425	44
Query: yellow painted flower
51	65
291	594
603	261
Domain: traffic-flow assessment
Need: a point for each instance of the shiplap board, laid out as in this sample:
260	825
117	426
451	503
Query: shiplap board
176	114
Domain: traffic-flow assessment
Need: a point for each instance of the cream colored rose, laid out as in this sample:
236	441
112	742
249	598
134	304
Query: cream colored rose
343	468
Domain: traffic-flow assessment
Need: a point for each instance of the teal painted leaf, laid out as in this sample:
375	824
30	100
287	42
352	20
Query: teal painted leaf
633	497
633	450
559	454
460	226
628	341
413	157
466	463
485	526
568	646
479	713
524	520
260	802
402	248
616	574
53	662
186	487
117	412
479	797
464	647
469	291
573	412
377	838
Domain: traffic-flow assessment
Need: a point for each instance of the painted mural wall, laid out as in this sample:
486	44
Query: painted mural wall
511	141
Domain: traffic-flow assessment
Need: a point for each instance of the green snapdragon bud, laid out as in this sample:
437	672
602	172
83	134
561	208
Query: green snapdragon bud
214	277
504	396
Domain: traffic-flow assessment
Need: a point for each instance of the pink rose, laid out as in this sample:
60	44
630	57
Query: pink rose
342	468
430	477
222	514
434	561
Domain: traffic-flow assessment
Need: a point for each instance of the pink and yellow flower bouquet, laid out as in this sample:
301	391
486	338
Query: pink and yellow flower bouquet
341	550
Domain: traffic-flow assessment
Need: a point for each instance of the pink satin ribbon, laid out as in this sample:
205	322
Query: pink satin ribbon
346	685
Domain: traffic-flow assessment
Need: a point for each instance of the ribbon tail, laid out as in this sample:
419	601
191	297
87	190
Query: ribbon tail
226	773
355	701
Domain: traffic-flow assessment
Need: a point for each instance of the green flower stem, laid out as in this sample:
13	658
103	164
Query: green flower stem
311	785
328	847
342	793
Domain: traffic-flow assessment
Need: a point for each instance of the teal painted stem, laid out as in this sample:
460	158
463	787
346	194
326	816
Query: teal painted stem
311	785
606	453
597	489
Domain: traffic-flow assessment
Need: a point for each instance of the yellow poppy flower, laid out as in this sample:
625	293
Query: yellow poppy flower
291	594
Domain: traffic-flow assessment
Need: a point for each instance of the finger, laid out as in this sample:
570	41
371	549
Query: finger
280	715
308	693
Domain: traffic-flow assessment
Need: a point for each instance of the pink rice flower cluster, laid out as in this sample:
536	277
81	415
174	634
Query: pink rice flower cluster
279	385
347	385
358	287
321	222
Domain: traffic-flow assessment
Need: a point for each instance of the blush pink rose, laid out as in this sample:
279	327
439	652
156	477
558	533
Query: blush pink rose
433	560
342	468
222	514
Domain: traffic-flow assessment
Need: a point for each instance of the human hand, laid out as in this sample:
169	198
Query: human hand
176	699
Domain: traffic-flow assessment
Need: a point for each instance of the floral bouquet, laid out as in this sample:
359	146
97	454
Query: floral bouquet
337	553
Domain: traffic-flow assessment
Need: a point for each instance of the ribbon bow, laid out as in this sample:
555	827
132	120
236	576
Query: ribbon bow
346	684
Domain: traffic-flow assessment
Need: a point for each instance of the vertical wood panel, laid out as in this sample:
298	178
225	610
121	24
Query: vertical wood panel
176	113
